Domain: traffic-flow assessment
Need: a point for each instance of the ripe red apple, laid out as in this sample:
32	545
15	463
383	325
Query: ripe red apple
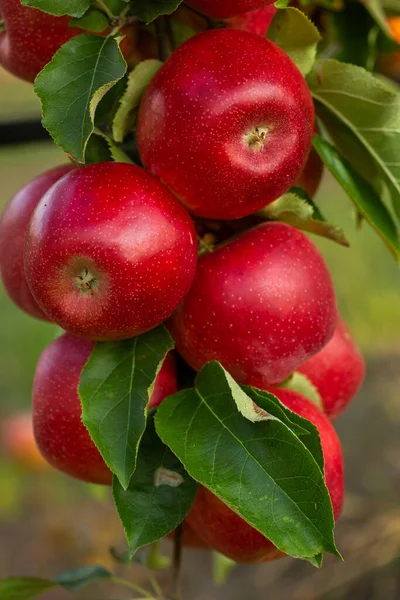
337	371
226	532
13	225
256	21
260	305
60	434
222	9
109	252
19	443
29	38
226	123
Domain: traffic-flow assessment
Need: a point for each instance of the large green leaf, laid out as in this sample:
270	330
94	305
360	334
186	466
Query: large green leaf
148	10
115	388
366	200
370	112
292	31
71	86
159	495
261	470
73	8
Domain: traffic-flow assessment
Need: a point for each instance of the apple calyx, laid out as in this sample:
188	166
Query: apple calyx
257	137
3	28
85	281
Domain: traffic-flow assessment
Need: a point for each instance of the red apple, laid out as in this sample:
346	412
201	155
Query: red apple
109	252
337	371
222	9
226	532
226	123
13	225
256	21
260	305
60	434
29	38
19	443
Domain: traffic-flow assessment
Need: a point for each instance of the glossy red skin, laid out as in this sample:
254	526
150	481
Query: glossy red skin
256	21
260	305
129	231
214	90
226	532
222	9
13	225
32	37
337	371
60	434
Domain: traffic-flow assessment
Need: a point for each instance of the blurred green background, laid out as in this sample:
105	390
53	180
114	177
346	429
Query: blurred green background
49	523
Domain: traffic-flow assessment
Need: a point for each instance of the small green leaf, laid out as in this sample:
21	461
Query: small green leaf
24	588
148	10
138	80
292	31
101	148
73	8
297	209
115	388
71	86
78	578
222	568
301	384
366	126
282	3
92	20
364	197
262	471
159	495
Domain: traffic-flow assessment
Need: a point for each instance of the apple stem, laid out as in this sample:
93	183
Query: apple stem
2	25
164	38
106	10
177	563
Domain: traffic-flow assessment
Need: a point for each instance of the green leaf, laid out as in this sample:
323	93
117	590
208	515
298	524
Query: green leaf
222	568
101	148
93	20
370	112
71	86
364	197
148	10
282	3
159	495
115	388
301	384
24	588
261	470
73	8
292	31
138	80
78	578
297	209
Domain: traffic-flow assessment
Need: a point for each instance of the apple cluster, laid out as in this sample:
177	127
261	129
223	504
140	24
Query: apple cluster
108	251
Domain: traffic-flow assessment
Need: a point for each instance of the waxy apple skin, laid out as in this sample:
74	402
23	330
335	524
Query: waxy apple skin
222	9
259	305
256	21
224	531
226	123
13	225
57	414
337	371
109	252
